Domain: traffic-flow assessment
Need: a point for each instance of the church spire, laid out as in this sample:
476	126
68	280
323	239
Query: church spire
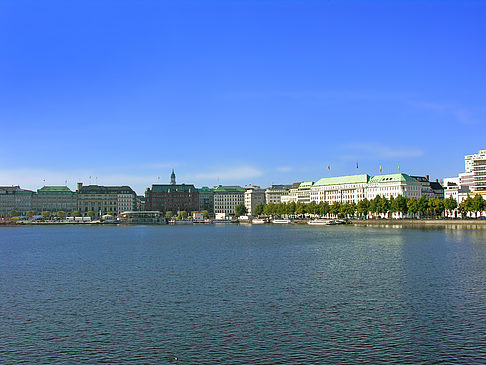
172	178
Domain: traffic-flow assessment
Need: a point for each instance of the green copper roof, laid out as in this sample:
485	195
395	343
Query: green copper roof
228	189
180	188
205	189
391	178
306	184
343	180
25	192
54	190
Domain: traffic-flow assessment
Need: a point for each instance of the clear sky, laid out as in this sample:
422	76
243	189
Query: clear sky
238	92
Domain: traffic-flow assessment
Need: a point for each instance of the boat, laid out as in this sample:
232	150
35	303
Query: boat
281	221
322	222
258	221
221	221
183	221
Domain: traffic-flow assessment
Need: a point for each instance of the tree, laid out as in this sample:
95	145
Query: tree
335	208
401	203
14	213
450	204
61	214
76	213
168	214
423	204
363	207
375	205
183	214
45	214
90	214
478	205
412	205
30	213
240	209
259	209
205	213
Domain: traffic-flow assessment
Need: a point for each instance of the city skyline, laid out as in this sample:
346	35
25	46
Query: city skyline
248	93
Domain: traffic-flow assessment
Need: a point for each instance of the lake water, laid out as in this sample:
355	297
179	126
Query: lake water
207	294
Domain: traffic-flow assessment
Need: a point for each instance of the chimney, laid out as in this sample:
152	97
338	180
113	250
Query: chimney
80	185
427	176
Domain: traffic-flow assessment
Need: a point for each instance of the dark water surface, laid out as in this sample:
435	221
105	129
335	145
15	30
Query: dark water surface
241	294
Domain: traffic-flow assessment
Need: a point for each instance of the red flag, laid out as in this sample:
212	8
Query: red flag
356	164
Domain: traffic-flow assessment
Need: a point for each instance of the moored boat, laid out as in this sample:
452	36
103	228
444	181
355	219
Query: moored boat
322	222
258	221
281	221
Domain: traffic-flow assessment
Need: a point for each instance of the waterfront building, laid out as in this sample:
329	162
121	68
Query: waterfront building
102	200
354	188
13	198
226	198
393	185
140	203
430	189
54	199
299	193
273	194
340	189
172	197
476	166
206	199
254	195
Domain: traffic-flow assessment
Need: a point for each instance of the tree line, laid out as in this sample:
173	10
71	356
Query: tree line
379	206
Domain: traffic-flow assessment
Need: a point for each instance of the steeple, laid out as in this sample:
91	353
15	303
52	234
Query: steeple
172	178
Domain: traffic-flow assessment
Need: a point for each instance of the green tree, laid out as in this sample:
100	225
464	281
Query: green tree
375	205
335	208
384	206
45	214
439	206
168	214
30	213
76	213
324	208
205	213
412	205
363	207
90	214
450	204
401	203
61	214
183	214
14	213
240	210
477	205
423	205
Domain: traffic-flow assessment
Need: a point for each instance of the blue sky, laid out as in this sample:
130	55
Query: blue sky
238	92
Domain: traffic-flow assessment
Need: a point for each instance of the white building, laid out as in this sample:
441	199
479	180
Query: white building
354	188
226	198
393	185
340	189
273	194
254	196
476	166
299	193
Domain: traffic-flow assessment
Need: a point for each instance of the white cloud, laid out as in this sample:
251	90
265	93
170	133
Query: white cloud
365	150
463	115
234	173
284	168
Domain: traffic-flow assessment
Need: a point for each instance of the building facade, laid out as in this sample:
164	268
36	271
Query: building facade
430	189
475	165
172	198
254	196
226	198
13	198
298	193
102	200
206	199
273	194
54	199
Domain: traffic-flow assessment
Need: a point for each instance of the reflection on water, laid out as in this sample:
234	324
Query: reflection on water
242	294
